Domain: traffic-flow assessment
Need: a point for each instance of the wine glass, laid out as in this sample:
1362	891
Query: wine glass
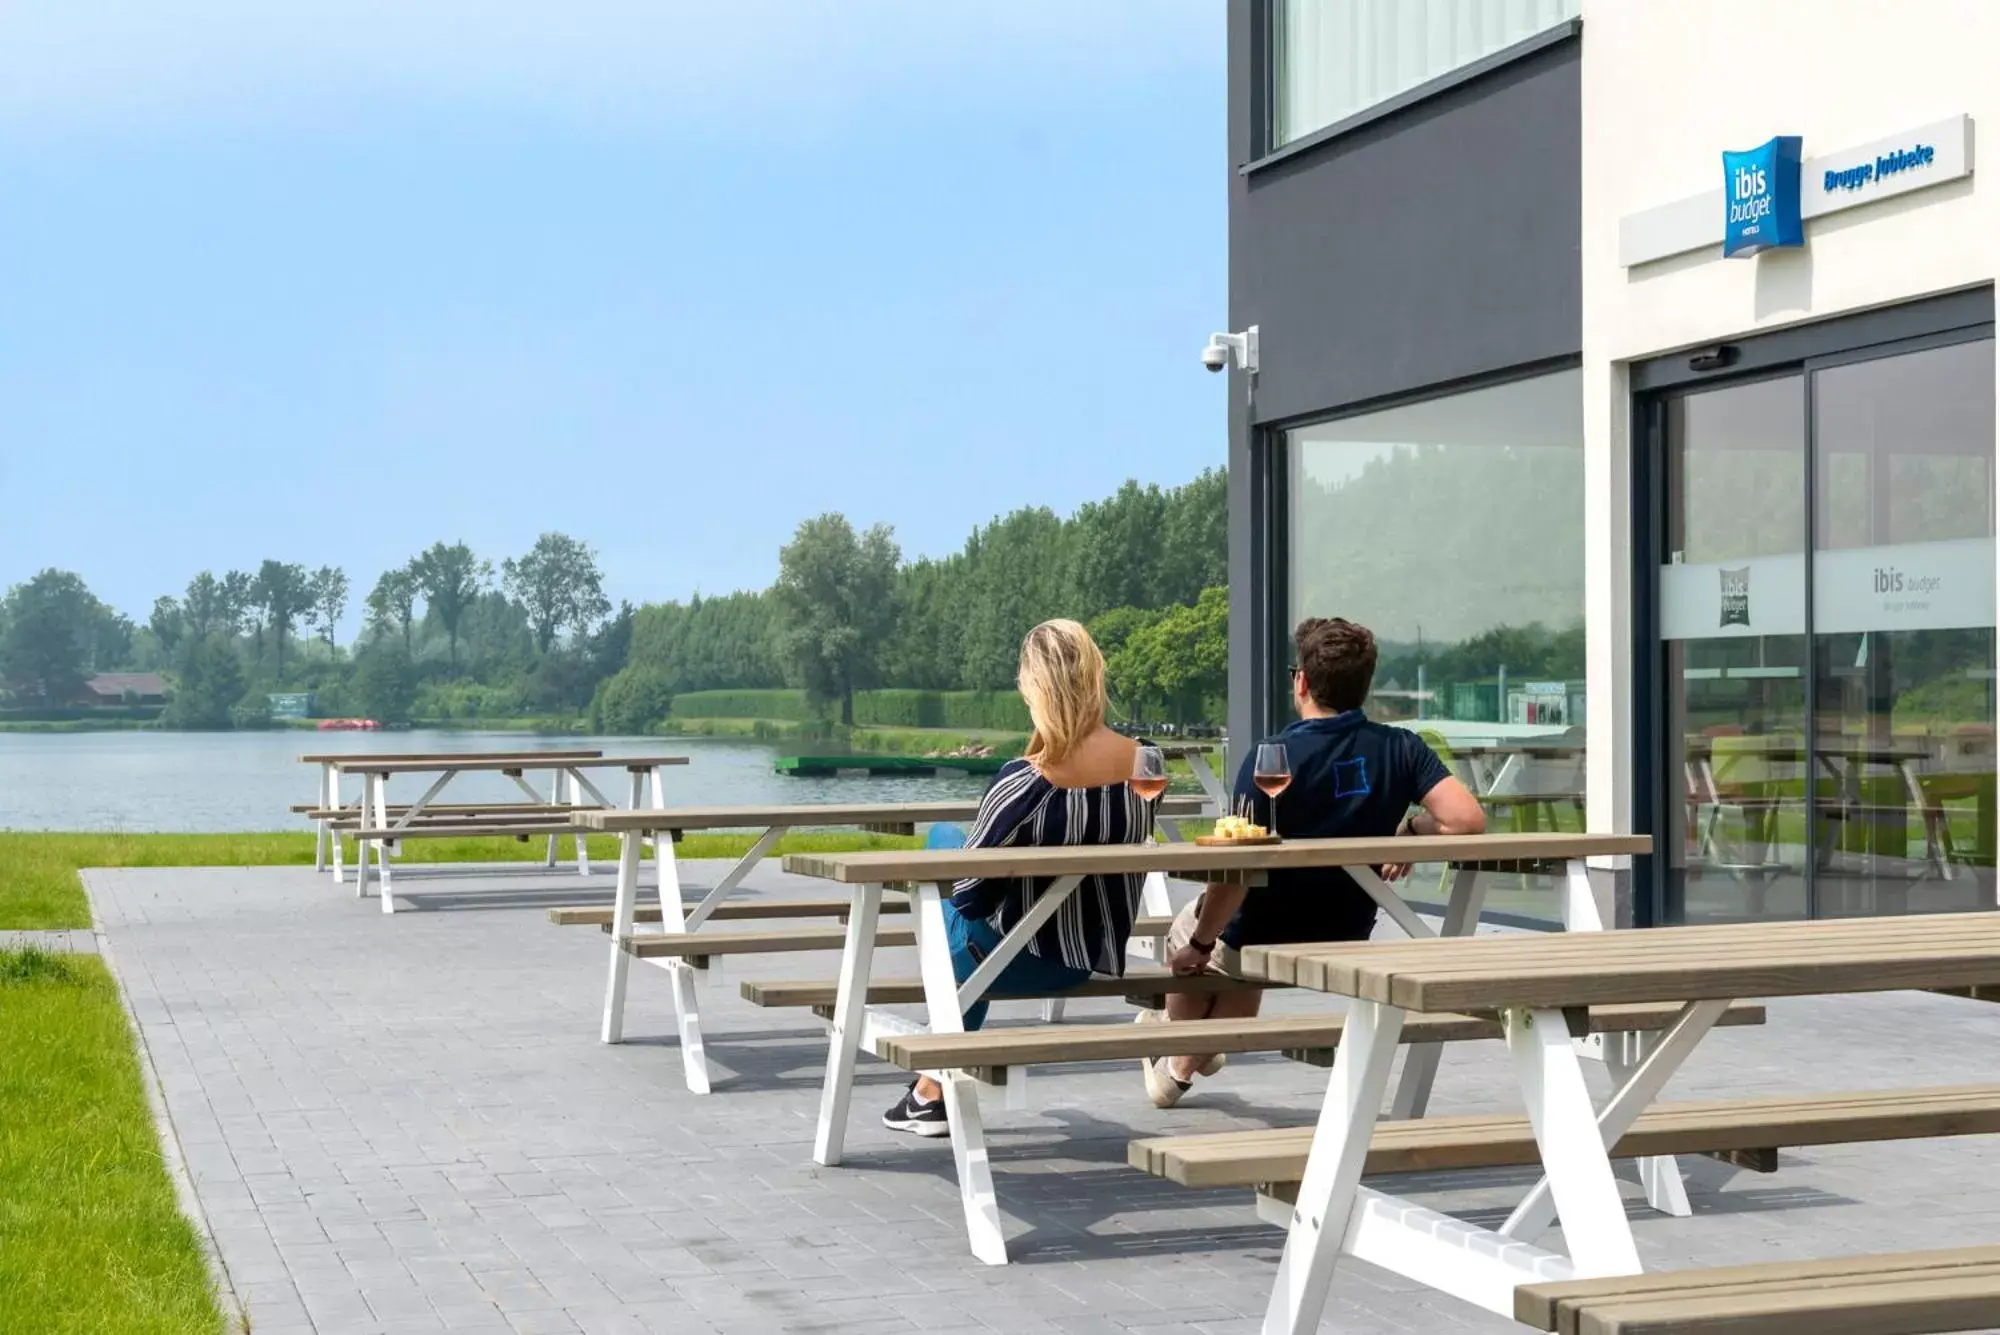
1149	773
1272	775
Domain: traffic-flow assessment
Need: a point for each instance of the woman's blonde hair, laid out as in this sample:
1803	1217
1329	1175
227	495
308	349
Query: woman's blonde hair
1062	680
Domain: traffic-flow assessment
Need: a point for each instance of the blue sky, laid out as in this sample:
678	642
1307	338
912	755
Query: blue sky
328	281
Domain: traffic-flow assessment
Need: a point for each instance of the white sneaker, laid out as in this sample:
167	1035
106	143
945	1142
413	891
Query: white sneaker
1165	1088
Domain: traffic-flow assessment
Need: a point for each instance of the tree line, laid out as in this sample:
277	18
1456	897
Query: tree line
441	635
1145	568
450	635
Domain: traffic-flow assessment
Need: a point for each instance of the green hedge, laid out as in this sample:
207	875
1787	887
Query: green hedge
787	705
970	711
979	711
82	713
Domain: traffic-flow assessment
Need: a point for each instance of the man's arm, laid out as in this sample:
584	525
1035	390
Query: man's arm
1218	905
1449	808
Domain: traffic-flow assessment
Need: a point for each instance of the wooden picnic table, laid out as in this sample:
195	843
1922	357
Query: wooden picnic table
1843	762
571	786
1534	983
931	874
663	826
1196	755
330	773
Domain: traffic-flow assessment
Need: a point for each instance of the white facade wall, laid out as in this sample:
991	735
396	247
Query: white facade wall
1668	85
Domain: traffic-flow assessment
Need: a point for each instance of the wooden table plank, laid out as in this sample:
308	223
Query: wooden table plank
815	813
1289	963
1040	1045
335	757
1660	964
1488	1140
958	864
361	764
1537	1304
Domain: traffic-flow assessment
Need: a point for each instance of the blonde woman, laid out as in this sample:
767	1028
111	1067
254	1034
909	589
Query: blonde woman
1070	788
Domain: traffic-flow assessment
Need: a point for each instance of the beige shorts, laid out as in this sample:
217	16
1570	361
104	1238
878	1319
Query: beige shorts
1223	961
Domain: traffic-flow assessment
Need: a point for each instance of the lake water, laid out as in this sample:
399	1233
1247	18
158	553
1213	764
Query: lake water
195	782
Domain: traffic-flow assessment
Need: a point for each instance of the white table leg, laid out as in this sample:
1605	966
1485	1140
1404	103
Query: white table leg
378	816
1333	1168
320	826
1420	1063
622	907
1538	1210
1154	901
687	1002
576	799
360	844
734	877
1659	1174
334	841
555	799
944	1003
845	1035
1573	1151
1210	785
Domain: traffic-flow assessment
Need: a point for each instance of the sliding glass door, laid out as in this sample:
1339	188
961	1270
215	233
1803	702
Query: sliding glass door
1826	610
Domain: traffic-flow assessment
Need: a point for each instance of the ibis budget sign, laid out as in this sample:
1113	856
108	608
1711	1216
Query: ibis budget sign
1761	193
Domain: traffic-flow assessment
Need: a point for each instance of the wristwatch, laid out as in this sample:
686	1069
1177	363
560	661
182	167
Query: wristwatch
1201	947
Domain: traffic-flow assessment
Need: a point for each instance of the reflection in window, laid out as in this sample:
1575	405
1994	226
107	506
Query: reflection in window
1336	57
1453	529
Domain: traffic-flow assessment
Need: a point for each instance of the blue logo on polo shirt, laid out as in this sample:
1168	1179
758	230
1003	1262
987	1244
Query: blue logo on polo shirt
1761	191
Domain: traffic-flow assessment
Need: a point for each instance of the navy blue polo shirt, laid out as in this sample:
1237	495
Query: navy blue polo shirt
1350	779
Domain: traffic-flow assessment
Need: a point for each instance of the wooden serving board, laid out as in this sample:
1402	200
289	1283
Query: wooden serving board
1214	841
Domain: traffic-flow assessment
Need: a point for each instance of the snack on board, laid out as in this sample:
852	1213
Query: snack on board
1236	827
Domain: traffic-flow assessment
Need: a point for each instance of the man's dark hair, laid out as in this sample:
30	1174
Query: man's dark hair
1338	660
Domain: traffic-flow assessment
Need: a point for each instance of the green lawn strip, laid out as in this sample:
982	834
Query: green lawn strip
39	888
92	1240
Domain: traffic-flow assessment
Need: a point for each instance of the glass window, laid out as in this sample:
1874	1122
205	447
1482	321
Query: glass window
1453	529
1333	58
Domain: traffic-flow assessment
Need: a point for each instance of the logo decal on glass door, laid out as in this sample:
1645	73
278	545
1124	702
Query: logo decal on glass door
1736	597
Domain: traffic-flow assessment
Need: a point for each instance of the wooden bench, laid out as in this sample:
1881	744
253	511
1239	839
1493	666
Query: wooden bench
600	915
1146	988
1916	1293
1746	1132
351	814
697	947
1312	1038
458	828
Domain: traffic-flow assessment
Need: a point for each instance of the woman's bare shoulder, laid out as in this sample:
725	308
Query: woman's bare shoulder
1104	758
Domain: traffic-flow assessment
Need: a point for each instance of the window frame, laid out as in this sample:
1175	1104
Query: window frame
1267	63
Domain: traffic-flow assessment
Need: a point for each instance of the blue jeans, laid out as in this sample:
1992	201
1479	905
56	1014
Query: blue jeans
973	939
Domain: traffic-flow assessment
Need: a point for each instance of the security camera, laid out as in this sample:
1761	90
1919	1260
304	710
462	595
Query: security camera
1221	347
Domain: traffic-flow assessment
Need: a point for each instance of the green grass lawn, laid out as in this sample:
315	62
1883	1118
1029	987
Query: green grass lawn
92	1241
39	889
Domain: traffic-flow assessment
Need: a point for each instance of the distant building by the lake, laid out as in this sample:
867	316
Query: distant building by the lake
124	688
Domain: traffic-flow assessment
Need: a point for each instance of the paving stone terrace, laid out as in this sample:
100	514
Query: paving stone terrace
405	1124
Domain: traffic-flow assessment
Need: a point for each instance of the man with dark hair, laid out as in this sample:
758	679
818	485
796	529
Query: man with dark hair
1350	778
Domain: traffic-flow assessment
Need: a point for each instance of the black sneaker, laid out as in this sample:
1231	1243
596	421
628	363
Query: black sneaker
915	1117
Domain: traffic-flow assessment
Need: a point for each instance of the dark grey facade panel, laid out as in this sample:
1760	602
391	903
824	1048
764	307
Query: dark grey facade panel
1435	245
